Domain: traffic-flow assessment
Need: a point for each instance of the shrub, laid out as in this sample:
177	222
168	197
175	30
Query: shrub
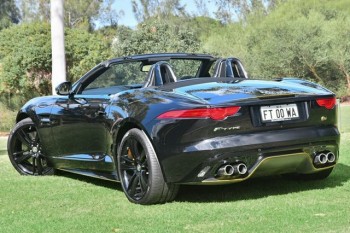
7	118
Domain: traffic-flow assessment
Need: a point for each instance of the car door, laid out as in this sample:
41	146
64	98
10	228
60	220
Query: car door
79	123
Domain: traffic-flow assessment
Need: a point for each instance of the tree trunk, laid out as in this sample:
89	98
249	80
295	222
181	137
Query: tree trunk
314	72
348	83
347	76
57	43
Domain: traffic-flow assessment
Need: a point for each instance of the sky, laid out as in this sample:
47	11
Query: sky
129	20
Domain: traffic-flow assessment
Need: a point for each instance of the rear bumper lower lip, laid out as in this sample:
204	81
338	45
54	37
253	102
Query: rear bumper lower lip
302	163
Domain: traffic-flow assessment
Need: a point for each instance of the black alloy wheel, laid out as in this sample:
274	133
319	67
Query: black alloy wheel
25	150
134	167
139	171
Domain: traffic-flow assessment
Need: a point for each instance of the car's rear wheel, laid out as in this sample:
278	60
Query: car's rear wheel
139	171
25	150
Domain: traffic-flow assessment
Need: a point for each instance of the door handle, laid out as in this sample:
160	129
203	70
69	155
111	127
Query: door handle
45	121
81	101
101	110
101	113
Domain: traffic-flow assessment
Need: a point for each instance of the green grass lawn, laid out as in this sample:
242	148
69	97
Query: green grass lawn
72	203
344	118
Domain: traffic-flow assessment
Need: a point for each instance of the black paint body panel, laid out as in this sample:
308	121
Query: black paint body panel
80	133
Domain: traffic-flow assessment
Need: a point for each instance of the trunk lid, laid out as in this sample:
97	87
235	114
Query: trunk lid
219	93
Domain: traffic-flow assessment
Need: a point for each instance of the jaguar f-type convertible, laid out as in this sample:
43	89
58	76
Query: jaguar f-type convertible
156	121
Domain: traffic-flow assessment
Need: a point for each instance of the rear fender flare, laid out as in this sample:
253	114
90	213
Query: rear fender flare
120	128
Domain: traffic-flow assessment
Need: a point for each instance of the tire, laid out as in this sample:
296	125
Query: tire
25	150
140	173
321	175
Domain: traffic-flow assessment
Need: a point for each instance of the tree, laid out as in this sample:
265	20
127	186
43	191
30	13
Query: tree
9	13
146	9
84	50
338	31
78	13
296	38
289	49
204	26
26	70
34	10
226	41
240	10
108	16
154	36
302	41
202	9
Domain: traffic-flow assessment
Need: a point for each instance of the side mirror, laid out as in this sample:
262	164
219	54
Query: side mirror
64	88
145	68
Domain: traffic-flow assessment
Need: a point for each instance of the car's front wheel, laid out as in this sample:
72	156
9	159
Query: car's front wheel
139	171
25	150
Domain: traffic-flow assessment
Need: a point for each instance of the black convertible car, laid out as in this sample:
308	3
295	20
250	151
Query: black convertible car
156	121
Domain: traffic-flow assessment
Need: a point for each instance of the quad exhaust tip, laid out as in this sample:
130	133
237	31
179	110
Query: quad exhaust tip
324	157
230	170
330	157
320	158
241	168
226	170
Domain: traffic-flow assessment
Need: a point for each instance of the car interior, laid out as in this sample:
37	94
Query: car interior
156	73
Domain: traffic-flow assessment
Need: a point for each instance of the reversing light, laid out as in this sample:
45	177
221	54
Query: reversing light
328	103
201	113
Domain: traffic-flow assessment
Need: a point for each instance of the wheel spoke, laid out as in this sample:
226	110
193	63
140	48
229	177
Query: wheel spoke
18	153
36	137
23	137
126	159
128	167
133	182
134	149
143	181
143	158
25	155
40	166
34	165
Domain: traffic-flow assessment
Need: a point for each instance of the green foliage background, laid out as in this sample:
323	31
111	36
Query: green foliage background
305	39
300	38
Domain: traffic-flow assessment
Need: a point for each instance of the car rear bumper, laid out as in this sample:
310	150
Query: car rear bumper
263	153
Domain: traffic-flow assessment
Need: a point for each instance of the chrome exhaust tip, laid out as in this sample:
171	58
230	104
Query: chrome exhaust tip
226	170
330	157
320	158
241	168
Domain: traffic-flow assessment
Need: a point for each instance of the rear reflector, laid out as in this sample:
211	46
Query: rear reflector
201	113
328	103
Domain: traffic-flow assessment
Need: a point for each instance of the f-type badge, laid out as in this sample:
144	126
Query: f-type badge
227	128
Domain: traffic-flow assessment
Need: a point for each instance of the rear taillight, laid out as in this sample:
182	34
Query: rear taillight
328	103
201	113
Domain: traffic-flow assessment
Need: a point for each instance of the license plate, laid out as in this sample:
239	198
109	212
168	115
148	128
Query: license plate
284	112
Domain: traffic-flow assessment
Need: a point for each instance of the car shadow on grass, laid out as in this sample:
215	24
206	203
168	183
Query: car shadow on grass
109	184
250	189
261	187
3	152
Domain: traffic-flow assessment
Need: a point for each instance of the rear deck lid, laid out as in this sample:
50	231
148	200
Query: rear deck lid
222	93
